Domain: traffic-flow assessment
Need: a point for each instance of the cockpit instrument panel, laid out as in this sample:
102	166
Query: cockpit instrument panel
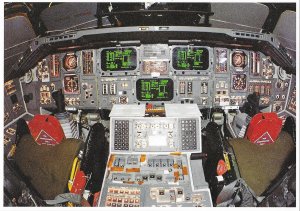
154	89
87	62
292	101
54	65
239	82
156	73
239	60
267	68
190	58
155	66
71	84
118	59
70	62
43	71
221	60
255	64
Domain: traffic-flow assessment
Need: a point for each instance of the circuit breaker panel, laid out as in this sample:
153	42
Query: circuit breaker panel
150	158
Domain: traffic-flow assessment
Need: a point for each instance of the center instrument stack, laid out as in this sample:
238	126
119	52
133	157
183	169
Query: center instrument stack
152	157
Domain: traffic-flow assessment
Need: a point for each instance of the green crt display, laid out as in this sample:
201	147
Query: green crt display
154	89
190	58
118	59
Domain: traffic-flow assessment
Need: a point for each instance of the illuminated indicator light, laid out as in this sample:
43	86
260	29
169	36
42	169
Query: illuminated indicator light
110	162
143	158
117	169
129	170
184	170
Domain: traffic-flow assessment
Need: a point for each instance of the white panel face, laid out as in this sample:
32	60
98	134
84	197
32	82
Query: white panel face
178	131
157	140
128	111
179	110
239	16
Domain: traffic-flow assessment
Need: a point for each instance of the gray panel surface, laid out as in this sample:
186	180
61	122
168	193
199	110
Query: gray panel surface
70	16
285	30
241	16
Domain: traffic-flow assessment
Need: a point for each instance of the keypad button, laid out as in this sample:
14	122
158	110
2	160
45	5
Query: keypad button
188	134
121	135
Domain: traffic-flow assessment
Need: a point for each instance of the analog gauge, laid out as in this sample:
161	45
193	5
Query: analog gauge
239	59
239	82
71	84
70	62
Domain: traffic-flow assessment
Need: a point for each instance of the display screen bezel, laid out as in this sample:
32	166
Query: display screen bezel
204	67
103	60
170	87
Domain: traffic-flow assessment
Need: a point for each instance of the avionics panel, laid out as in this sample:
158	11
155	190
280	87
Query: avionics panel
70	62
177	131
145	168
71	84
231	75
189	60
239	60
155	134
54	66
155	66
154	89
14	103
154	59
87	62
194	89
291	106
221	60
118	59
153	181
115	90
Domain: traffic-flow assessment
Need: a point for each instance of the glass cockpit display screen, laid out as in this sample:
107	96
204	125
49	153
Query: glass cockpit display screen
118	59
154	89
190	58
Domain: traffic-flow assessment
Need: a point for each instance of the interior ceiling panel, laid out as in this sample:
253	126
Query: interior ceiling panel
285	31
17	30
18	33
70	16
241	16
13	54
